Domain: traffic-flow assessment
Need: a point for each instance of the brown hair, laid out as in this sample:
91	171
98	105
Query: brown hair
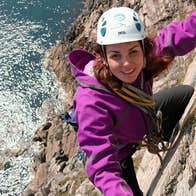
154	65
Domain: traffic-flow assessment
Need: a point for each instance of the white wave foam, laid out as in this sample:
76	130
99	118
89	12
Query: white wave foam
24	84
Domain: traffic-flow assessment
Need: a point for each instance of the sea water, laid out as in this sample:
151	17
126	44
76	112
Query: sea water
28	29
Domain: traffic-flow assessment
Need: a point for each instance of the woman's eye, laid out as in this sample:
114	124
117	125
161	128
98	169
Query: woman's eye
115	56
133	52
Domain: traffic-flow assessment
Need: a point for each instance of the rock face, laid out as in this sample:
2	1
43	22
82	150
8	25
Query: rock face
58	169
176	175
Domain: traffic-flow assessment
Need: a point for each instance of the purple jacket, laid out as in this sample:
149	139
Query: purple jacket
109	126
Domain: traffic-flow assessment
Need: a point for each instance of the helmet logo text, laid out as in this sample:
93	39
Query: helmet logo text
119	17
121	33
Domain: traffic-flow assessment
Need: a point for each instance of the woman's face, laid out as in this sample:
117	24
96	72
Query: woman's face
125	60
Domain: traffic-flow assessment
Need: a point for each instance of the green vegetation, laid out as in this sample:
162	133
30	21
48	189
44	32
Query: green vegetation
137	160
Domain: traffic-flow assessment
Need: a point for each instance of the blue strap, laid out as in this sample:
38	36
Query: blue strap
70	118
80	155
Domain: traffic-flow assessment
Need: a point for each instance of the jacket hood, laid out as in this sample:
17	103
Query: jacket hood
79	58
81	62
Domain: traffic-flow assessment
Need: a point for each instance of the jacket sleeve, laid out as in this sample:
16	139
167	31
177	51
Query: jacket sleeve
95	139
178	38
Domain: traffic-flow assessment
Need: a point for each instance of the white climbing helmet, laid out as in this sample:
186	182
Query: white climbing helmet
119	25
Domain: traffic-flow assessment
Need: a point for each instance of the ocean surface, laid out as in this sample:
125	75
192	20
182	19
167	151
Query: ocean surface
28	29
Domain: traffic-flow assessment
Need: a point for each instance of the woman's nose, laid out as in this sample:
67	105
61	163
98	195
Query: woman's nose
125	61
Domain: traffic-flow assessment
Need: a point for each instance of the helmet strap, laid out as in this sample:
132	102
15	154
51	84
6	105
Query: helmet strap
144	65
143	48
103	50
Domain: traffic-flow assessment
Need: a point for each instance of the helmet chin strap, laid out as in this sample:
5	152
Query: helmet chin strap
103	49
144	65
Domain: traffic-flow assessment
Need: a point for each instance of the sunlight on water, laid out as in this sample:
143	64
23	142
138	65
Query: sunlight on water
24	86
25	36
15	118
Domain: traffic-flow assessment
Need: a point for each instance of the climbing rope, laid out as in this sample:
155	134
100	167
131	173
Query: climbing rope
153	140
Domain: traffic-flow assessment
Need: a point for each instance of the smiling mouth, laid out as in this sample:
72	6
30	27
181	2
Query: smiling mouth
128	72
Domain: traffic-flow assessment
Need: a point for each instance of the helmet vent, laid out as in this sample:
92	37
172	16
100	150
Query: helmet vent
138	26
103	31
134	18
